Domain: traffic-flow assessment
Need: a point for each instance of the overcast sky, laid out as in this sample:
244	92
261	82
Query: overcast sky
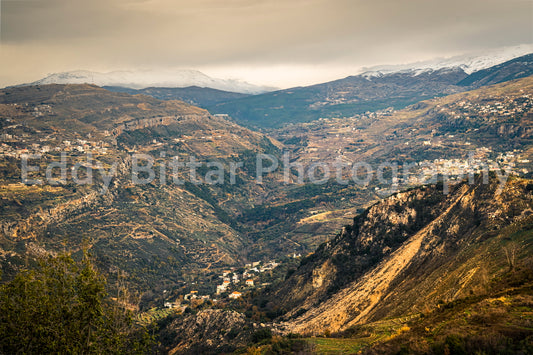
275	42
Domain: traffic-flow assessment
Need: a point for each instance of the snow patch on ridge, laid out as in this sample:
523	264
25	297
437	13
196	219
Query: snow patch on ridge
469	63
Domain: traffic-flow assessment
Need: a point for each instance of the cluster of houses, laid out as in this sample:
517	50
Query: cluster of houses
230	277
425	171
48	145
231	280
41	110
507	106
459	168
193	295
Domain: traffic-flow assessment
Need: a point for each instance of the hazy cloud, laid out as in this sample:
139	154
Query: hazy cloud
41	36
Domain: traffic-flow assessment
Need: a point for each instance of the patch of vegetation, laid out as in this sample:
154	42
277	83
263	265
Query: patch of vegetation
62	307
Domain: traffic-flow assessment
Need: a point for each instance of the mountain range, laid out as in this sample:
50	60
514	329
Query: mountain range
469	63
151	78
375	88
386	265
370	91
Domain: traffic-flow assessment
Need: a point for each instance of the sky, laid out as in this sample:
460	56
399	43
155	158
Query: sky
279	43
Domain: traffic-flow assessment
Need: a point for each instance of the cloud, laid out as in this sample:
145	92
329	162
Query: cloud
111	34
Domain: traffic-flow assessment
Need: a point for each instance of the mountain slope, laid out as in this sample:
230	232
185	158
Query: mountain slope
409	252
157	233
496	118
513	69
83	108
370	91
345	97
469	63
193	95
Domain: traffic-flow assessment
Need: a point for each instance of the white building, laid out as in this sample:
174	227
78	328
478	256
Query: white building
223	287
234	295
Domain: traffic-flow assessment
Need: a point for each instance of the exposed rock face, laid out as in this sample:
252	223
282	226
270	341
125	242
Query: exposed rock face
153	122
405	254
211	330
358	248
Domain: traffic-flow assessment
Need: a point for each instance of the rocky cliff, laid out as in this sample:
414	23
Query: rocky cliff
409	252
208	331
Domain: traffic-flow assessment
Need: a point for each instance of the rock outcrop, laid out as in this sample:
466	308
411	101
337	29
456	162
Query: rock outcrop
408	253
210	330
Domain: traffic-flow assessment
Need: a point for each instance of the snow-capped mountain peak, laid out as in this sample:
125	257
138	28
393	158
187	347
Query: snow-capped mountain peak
469	63
140	79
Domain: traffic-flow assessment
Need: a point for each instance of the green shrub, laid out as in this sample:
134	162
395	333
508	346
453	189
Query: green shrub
261	334
62	307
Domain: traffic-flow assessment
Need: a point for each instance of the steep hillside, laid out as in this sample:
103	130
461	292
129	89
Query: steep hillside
410	252
157	233
420	272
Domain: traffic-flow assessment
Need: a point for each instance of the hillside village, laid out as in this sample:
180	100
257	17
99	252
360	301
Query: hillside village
185	250
350	139
318	141
233	284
